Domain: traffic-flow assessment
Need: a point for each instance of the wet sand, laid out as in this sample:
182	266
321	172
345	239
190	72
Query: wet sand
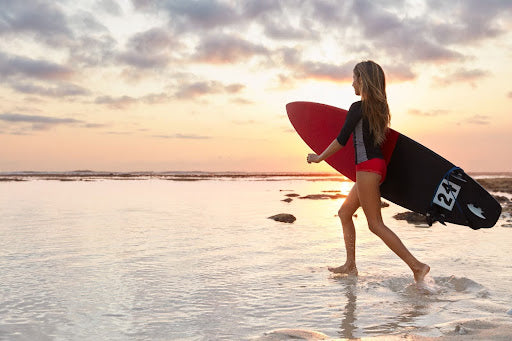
482	329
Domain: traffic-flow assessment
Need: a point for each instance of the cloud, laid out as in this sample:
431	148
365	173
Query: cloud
93	51
302	68
84	21
385	28
57	26
145	4
110	6
431	113
396	73
409	40
94	125
223	49
24	124
234	88
305	39
200	14
121	102
283	31
154	40
211	14
471	20
156	98
331	13
20	66
38	122
119	133
42	18
8	117
150	49
61	90
246	122
326	71
38	77
183	137
253	9
479	120
240	100
202	88
141	61
308	69
461	75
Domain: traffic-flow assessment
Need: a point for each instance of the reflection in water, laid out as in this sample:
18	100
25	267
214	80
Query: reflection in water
348	321
403	312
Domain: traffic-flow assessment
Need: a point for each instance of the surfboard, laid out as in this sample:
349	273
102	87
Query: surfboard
417	178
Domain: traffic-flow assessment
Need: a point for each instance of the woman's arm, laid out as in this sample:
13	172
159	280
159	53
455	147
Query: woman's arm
329	151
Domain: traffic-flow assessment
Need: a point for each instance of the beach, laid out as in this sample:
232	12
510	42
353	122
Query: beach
194	256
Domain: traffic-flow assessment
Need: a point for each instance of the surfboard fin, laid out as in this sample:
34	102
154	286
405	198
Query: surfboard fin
441	219
434	215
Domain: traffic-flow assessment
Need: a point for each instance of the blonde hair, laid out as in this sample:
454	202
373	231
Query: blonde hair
373	96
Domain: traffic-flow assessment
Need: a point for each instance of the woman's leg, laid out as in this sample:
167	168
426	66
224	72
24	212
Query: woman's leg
347	210
369	198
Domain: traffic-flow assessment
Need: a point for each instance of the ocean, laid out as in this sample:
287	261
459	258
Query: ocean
193	256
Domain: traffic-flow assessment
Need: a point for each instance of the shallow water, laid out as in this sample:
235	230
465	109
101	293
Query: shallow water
194	260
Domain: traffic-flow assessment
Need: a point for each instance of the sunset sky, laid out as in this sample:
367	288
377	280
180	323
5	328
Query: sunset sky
164	85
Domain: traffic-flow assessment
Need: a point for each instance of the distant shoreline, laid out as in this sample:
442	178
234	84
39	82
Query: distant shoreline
89	175
176	173
204	174
177	176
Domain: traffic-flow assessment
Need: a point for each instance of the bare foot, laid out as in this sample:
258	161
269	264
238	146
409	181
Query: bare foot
420	273
344	269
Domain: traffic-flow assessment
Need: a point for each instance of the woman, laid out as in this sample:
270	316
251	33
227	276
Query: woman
368	121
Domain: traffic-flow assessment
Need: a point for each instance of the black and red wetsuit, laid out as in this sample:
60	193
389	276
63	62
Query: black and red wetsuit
368	156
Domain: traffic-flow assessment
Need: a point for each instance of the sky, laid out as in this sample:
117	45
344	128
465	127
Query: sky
171	85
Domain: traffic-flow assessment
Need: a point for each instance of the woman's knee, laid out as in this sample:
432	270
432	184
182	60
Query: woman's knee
376	227
345	213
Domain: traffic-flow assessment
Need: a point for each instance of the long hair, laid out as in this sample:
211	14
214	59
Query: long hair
373	95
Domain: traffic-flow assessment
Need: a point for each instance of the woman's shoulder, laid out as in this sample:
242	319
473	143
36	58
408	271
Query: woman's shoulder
355	105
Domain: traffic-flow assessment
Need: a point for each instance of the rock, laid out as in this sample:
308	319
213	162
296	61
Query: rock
496	184
384	204
283	218
293	195
287	200
459	329
11	179
323	196
295	334
501	199
411	217
506	209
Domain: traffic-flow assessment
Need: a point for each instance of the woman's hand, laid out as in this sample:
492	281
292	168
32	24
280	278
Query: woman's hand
313	158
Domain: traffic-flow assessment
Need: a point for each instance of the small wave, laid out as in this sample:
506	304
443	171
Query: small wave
433	288
459	284
292	333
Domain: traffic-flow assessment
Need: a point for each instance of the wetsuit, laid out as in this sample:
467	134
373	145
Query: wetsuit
369	157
